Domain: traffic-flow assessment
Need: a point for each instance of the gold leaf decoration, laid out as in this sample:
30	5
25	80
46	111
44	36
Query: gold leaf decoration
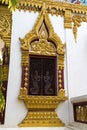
77	19
4	25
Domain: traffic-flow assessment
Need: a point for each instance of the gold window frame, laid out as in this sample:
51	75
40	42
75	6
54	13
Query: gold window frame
41	109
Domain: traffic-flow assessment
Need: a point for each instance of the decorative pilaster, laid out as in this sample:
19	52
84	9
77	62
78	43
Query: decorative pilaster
5	34
77	19
61	75
68	19
25	69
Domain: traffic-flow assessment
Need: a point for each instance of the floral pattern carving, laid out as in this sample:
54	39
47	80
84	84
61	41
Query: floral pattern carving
4	25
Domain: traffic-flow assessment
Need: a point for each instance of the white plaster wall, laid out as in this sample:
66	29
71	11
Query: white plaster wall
22	23
58	25
76	65
77	61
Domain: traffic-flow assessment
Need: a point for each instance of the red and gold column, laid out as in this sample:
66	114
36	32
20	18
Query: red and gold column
25	73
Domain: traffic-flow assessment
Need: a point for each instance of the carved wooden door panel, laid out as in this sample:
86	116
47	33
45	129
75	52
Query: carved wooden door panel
42	80
35	76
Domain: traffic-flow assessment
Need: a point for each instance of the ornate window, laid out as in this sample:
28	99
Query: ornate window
42	74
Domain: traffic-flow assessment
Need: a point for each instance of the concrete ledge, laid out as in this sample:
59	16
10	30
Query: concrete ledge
79	99
34	128
76	126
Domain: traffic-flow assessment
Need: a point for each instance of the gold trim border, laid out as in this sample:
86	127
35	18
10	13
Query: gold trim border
62	6
65	9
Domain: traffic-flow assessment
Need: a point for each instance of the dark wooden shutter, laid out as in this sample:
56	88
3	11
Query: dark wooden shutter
42	75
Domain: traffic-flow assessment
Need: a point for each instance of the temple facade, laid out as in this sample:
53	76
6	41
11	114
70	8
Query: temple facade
43	59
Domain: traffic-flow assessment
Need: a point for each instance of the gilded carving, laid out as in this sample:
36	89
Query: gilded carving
55	11
5	72
5	34
25	58
45	114
23	93
26	79
26	74
58	8
77	19
61	92
68	19
34	35
4	25
53	7
42	47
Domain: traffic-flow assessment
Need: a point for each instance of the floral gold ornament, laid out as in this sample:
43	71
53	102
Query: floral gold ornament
4	25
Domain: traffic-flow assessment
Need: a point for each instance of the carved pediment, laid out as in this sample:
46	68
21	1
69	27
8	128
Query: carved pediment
42	39
42	46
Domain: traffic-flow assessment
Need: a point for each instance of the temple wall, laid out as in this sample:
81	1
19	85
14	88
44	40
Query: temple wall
77	62
75	66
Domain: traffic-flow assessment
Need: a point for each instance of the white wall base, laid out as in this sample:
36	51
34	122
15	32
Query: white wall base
36	128
76	126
